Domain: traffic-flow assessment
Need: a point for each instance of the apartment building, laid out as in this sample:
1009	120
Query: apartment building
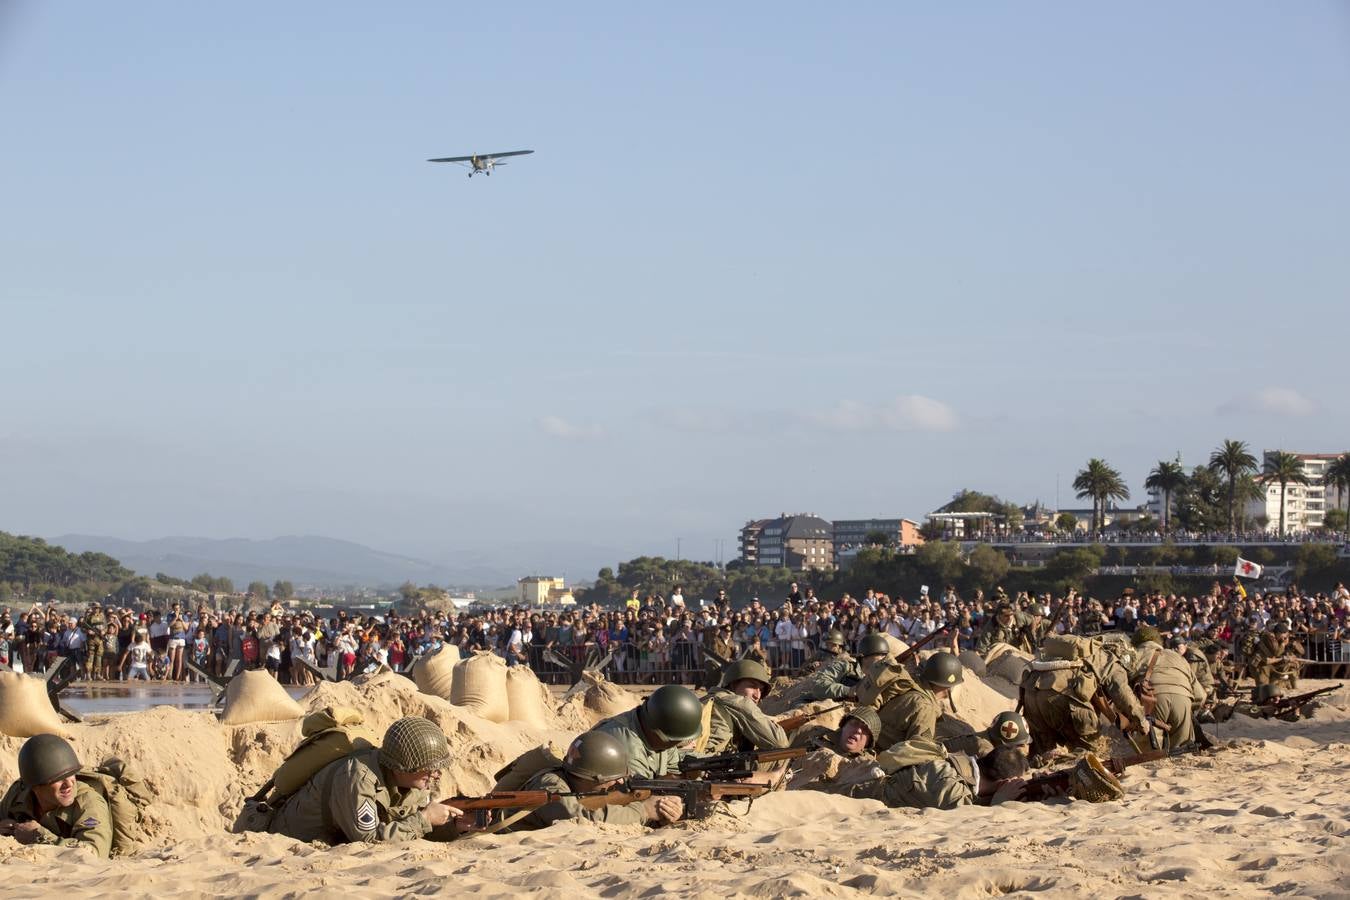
1304	505
800	542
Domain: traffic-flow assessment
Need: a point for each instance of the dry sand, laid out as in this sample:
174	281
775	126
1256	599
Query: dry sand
1271	817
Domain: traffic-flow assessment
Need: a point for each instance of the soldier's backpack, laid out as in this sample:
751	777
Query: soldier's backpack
326	736
127	798
514	775
1066	647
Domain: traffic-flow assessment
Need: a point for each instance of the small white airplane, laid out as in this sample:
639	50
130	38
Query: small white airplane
482	162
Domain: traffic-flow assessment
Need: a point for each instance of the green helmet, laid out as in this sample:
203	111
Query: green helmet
834	638
673	714
1009	729
746	668
45	758
941	670
414	744
597	755
874	644
867	717
1146	634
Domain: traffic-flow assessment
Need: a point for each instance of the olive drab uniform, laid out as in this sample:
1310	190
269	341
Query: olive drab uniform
643	761
828	769
714	640
922	774
1017	634
555	781
907	709
1058	692
738	724
87	822
837	678
1204	676
1270	665
94	626
353	799
1175	686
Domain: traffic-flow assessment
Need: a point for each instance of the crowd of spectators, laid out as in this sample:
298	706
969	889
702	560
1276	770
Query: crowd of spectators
652	638
1124	534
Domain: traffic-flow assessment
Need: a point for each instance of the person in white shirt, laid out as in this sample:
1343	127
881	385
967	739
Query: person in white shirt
677	597
138	655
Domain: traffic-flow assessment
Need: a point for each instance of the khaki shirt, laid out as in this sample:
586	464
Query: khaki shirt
1014	635
643	761
923	775
555	780
738	724
353	799
1172	674
87	822
907	709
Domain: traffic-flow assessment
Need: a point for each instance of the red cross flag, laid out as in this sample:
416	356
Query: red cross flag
1245	568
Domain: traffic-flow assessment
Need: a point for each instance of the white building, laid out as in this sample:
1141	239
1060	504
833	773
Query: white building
1304	505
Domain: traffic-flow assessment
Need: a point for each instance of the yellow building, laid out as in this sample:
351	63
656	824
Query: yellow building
536	590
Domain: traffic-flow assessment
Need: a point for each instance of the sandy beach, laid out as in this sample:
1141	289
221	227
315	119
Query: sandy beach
1269	816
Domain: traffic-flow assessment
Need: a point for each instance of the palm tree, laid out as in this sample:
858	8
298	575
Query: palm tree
1283	469
1232	460
1102	483
1167	476
1337	476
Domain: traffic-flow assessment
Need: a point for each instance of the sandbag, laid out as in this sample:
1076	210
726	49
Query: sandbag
434	673
514	775
897	646
973	662
25	708
1007	662
528	700
606	698
480	686
254	696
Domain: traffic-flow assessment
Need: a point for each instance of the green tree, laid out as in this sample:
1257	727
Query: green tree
1167	477
1071	566
1315	562
986	567
1066	522
1102	484
260	590
1232	460
1337	477
877	538
939	562
283	590
1283	469
1335	520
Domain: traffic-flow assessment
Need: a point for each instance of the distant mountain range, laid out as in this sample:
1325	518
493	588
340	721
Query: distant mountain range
328	562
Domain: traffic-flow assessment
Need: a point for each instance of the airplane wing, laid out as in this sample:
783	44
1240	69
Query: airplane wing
455	159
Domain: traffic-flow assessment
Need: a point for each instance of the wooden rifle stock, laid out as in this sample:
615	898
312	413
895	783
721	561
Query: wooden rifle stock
913	651
792	723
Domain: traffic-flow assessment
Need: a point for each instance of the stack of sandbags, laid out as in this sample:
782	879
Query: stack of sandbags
254	696
527	699
480	686
897	646
434	673
25	708
786	695
1007	662
977	703
606	699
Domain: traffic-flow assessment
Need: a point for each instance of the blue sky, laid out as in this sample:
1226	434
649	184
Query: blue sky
765	258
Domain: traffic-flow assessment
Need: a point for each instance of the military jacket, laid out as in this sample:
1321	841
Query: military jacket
1172	674
907	708
643	761
87	822
353	799
738	724
836	679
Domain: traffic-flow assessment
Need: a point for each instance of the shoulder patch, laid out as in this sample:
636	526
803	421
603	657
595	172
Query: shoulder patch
90	822
366	819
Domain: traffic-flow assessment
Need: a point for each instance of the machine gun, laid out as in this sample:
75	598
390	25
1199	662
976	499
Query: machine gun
730	766
792	723
1278	705
1062	781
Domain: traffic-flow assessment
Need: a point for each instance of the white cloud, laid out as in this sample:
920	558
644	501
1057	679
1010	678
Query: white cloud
559	427
1275	401
908	412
